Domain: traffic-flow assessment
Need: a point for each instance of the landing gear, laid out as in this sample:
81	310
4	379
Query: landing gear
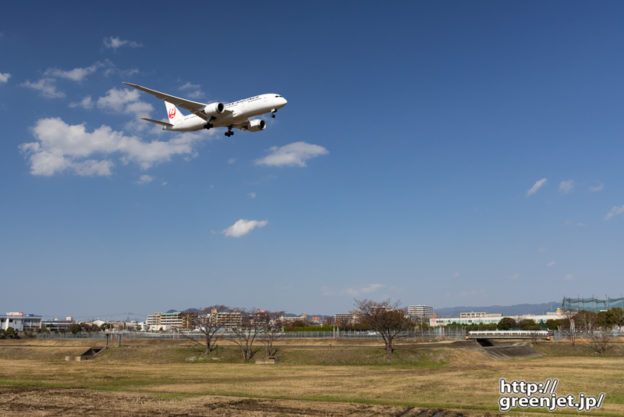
229	132
273	114
208	125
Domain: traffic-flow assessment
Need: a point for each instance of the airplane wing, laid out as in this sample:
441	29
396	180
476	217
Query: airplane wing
193	106
157	122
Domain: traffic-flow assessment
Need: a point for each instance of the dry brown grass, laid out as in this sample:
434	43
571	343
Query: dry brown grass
469	381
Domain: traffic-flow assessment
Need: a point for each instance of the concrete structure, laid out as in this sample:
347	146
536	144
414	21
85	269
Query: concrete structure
420	312
56	324
168	321
227	319
290	319
466	319
20	321
445	321
348	319
477	314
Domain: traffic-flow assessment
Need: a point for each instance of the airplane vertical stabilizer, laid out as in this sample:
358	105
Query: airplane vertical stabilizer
173	113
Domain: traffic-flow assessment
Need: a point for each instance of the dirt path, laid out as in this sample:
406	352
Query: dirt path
36	401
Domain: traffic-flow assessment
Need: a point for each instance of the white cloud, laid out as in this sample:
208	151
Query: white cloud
456	275
538	184
293	154
596	188
569	277
60	147
551	264
4	77
85	103
566	186
144	179
192	90
231	161
352	291
114	42
252	195
123	100
615	211
46	86
242	227
76	74
515	276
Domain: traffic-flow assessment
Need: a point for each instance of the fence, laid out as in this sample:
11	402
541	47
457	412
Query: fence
438	333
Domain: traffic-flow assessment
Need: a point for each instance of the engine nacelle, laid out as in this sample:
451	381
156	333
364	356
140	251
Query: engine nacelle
213	109
256	125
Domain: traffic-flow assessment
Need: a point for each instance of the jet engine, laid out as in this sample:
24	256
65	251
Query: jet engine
256	125
213	109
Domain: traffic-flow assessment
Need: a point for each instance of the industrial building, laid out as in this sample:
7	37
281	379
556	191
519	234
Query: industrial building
20	321
469	318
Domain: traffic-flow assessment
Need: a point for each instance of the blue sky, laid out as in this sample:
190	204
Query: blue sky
442	153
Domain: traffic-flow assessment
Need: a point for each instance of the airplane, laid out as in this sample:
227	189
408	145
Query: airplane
211	115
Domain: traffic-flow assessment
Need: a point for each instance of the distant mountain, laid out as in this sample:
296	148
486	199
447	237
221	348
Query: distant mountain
514	310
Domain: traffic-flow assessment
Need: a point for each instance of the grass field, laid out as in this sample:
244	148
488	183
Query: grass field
312	378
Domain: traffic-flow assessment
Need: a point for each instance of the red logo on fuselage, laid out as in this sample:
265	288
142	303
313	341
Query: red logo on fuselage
172	112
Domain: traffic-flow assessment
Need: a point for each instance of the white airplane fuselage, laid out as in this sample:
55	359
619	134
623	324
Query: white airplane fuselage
241	111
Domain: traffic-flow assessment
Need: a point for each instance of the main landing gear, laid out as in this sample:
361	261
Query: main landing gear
208	125
229	132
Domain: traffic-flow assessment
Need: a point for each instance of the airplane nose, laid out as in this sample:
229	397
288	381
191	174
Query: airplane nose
285	101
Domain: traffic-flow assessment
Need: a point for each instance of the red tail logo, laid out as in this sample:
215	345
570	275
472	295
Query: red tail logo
172	112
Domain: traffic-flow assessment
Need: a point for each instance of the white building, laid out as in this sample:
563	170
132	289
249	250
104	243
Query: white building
472	317
420	312
20	321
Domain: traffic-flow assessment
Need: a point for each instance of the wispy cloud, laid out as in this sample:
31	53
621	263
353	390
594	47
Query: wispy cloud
538	184
551	264
76	74
356	291
4	77
515	276
615	211
252	195
243	226
114	42
60	147
596	188
144	179
85	103
231	161
569	277
293	154
46	87
566	186
192	90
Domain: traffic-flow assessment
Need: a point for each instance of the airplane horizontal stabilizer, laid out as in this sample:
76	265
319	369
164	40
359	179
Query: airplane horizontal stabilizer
157	122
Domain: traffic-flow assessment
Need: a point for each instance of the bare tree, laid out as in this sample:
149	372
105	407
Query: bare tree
250	327
386	318
273	328
600	342
207	321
